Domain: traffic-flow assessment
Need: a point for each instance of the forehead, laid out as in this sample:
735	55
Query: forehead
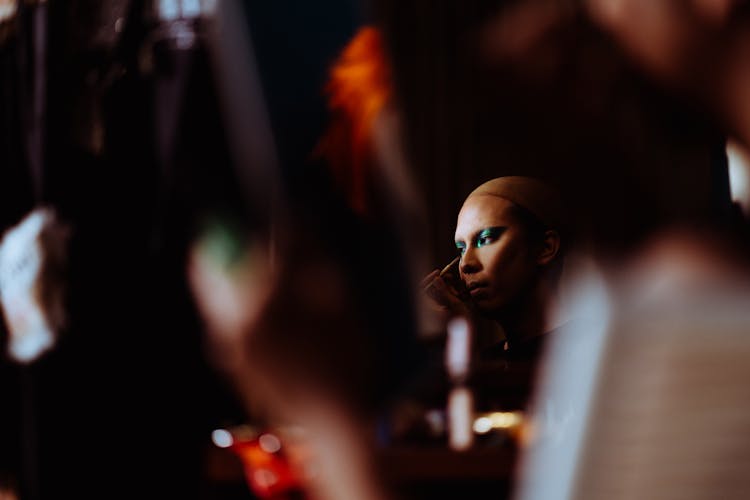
483	211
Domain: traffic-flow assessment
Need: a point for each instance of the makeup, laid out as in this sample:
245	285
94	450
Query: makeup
487	236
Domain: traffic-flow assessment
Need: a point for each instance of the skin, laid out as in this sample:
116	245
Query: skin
498	262
501	266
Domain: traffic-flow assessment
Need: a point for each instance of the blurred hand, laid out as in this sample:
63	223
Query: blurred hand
445	294
699	48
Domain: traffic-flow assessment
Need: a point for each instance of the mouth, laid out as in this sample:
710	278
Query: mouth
477	289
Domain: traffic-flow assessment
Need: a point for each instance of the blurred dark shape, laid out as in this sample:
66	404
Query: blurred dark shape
329	327
545	88
537	88
698	50
16	188
296	42
128	388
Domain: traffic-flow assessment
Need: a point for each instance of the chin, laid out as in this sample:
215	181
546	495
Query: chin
487	308
491	308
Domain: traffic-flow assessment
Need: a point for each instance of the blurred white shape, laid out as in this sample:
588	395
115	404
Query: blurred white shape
191	8
739	175
557	420
458	347
229	295
482	425
460	399
265	478
22	260
269	443
222	438
168	10
119	24
184	38
460	412
655	404
673	420
7	9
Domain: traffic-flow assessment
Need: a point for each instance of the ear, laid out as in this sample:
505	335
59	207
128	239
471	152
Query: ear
550	247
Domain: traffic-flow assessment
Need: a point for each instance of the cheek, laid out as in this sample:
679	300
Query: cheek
508	266
498	260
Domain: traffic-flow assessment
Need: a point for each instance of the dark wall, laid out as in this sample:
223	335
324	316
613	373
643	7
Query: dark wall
296	41
632	157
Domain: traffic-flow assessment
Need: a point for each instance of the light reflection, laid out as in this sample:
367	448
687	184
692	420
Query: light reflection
482	425
7	9
269	443
222	438
739	175
500	420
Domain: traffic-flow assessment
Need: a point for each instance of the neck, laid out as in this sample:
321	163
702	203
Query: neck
528	317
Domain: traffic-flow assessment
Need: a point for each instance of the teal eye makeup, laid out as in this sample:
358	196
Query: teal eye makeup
482	238
487	236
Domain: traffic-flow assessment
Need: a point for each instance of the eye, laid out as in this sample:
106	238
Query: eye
484	240
461	246
488	236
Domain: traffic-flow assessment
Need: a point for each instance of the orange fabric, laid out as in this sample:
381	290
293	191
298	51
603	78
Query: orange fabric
357	90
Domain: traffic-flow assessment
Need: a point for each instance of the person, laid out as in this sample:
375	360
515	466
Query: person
304	322
509	234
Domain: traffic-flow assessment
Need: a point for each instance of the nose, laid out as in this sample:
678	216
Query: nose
469	262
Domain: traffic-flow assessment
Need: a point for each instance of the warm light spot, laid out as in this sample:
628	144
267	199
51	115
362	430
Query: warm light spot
265	478
505	420
269	443
500	420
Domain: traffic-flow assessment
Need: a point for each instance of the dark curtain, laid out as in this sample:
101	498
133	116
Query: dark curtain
631	157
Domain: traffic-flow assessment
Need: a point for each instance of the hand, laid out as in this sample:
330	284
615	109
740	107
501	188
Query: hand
445	292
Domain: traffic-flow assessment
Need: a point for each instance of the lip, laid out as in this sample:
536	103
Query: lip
477	289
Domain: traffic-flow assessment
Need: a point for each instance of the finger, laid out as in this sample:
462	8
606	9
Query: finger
429	278
443	293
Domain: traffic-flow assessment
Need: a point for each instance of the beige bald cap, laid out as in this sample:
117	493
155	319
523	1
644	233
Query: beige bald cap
534	195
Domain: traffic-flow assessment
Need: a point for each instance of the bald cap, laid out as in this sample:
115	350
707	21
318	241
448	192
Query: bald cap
534	195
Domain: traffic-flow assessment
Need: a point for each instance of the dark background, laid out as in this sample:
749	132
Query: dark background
128	388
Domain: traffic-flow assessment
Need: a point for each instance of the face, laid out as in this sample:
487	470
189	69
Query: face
498	264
